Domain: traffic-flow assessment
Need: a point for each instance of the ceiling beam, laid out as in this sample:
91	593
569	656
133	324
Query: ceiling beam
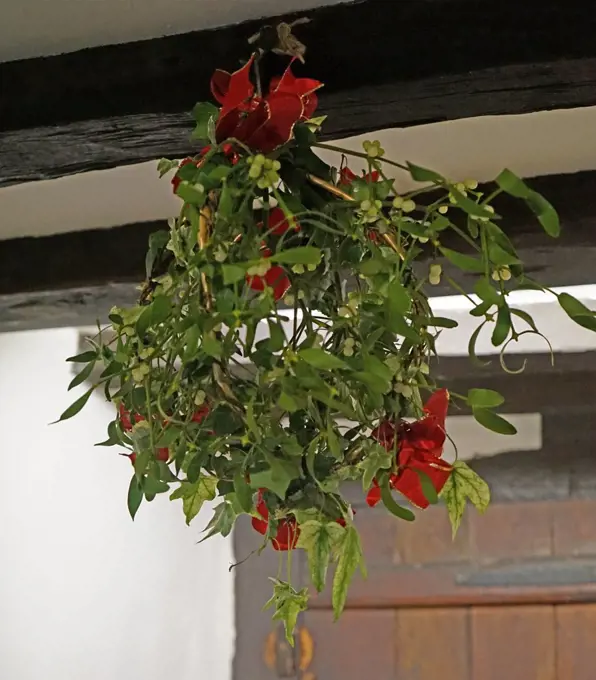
71	279
385	64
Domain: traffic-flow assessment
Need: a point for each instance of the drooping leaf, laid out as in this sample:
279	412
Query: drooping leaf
394	508
288	603
135	496
204	114
484	398
318	539
428	488
194	495
464	484
466	263
222	522
243	491
502	326
82	376
493	421
76	406
84	357
577	311
420	174
377	458
350	558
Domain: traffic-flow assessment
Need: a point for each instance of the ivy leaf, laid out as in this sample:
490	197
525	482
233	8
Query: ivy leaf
289	603
377	458
194	495
513	185
493	421
320	359
164	165
305	255
350	557
484	398
466	263
464	484
222	521
318	539
278	477
204	114
76	406
243	491
135	496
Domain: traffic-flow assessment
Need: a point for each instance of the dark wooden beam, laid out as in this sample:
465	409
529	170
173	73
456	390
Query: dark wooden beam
384	63
71	279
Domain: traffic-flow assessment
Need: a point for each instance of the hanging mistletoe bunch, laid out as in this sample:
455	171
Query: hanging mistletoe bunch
282	341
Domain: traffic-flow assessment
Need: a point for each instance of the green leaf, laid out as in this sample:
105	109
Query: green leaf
577	311
502	326
377	458
287	403
154	314
487	292
513	185
484	398
243	491
397	324
135	496
472	345
442	322
493	421
333	441
318	539
164	165
232	273
305	255
82	376
251	422
350	557
526	317
469	206
420	174
322	360
154	486
428	489
464	484
191	193
501	257
464	262
222	521
398	299
84	357
211	346
277	478
289	603
204	114
393	507
158	240
76	406
194	495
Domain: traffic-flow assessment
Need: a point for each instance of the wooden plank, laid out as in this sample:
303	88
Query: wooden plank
432	643
576	642
359	645
517	643
68	279
121	104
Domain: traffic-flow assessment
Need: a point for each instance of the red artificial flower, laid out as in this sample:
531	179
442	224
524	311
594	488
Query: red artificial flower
125	420
288	530
161	454
347	177
261	123
278	222
200	414
419	448
275	278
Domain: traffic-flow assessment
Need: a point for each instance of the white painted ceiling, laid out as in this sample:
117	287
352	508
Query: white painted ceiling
31	28
533	144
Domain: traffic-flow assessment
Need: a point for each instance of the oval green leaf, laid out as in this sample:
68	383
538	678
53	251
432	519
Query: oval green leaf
485	398
492	421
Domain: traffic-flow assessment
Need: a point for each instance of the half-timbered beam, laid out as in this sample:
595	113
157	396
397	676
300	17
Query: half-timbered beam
71	279
385	64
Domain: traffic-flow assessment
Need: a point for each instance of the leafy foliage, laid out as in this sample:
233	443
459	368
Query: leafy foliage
282	339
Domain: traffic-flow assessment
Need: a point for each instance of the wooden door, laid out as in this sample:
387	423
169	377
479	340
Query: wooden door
514	597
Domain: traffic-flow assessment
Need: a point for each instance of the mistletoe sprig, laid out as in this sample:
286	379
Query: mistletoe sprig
282	341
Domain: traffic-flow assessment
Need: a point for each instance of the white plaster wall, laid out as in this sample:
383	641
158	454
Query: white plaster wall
86	594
